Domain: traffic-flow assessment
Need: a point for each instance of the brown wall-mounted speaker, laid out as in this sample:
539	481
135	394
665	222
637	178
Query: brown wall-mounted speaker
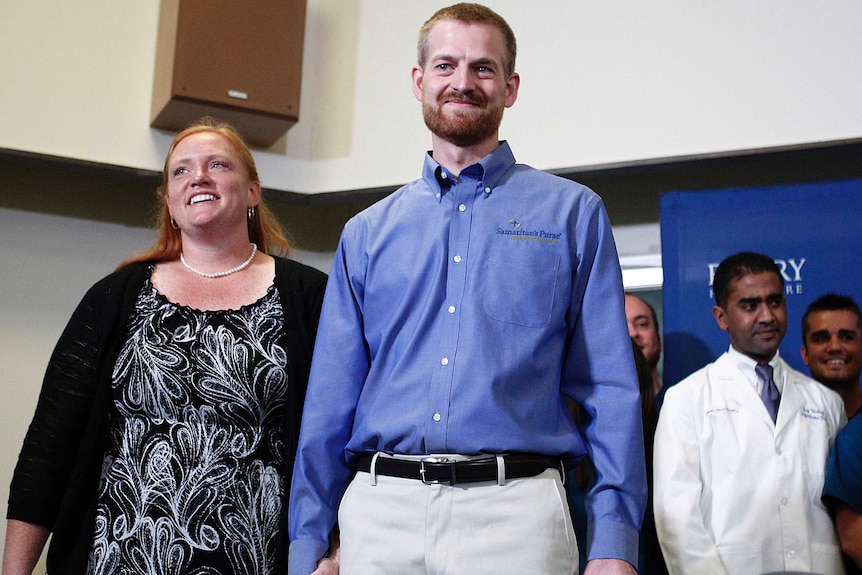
237	61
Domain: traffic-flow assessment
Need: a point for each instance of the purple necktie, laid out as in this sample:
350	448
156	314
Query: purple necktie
770	396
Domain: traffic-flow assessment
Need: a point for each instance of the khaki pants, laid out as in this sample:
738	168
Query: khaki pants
404	527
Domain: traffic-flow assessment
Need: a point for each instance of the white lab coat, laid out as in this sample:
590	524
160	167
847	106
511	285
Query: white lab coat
736	494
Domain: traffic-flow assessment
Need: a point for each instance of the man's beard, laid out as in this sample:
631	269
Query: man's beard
466	127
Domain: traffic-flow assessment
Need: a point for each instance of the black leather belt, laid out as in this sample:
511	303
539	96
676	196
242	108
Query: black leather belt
439	470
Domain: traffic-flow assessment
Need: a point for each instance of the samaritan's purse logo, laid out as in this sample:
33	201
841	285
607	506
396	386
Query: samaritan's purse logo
514	230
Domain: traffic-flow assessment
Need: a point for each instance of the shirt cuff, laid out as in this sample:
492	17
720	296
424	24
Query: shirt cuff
612	540
304	554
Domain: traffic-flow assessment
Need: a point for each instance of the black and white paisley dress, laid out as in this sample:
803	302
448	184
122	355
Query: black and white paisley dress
192	483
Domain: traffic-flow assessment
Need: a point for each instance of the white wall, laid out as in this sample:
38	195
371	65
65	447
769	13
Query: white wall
602	82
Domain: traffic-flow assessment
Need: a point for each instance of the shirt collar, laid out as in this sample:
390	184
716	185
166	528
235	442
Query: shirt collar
746	365
489	171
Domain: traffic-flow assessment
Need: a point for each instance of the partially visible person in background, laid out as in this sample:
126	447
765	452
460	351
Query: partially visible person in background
842	492
832	346
165	432
651	561
832	350
643	329
581	478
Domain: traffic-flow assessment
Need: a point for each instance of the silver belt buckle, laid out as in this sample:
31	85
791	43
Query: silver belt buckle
425	460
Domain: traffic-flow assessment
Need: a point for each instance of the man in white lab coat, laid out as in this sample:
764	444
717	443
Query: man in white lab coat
737	491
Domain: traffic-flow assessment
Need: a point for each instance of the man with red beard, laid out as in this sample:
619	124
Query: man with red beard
461	314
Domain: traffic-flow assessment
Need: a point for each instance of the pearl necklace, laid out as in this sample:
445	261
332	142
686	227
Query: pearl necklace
238	268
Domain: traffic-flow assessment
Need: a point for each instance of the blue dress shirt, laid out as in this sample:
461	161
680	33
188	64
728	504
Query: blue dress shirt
460	313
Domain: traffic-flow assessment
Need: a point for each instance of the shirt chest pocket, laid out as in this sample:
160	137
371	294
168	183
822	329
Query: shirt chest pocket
521	289
814	440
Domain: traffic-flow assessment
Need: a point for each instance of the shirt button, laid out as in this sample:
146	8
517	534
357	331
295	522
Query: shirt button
444	175
790	554
462	208
783	502
457	259
437	417
451	309
487	190
444	361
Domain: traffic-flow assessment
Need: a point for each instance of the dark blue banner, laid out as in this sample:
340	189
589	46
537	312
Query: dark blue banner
813	232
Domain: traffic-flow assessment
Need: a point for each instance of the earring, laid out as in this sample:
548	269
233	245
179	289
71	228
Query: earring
174	224
250	213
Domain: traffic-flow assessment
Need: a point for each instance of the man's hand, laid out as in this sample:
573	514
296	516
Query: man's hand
327	566
609	567
849	525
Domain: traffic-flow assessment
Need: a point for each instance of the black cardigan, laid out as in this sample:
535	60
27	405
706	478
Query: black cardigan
55	483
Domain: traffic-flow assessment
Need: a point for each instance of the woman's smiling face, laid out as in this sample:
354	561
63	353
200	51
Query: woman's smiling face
208	182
